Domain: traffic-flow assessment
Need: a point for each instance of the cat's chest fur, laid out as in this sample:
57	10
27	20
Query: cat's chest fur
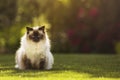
34	51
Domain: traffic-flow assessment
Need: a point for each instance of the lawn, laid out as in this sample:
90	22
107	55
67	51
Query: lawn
66	67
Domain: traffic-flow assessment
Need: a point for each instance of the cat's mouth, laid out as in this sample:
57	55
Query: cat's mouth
36	39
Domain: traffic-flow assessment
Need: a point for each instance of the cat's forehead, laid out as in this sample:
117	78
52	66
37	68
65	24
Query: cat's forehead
36	28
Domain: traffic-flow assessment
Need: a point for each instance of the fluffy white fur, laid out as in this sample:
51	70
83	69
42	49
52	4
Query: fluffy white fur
34	51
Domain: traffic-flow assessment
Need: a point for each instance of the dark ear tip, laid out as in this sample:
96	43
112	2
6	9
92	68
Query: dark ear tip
29	28
42	26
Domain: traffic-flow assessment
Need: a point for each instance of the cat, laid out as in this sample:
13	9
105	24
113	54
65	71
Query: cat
34	51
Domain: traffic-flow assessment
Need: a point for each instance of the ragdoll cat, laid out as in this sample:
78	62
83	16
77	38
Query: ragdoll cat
34	52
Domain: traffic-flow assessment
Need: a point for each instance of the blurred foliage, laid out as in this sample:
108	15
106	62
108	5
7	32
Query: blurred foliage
8	11
117	47
73	25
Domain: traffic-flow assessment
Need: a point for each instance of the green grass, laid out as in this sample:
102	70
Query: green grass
66	67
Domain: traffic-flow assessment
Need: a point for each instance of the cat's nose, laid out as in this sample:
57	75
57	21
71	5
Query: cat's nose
36	39
36	33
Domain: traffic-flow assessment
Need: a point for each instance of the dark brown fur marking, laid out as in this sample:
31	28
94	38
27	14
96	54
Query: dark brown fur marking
26	62
42	64
28	65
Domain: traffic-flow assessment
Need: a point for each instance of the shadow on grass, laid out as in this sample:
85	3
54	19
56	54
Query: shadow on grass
96	65
94	71
107	67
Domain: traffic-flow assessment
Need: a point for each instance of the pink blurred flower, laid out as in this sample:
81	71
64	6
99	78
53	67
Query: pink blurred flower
73	37
81	13
93	12
70	33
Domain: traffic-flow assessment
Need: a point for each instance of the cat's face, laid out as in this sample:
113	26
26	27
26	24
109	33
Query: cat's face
35	34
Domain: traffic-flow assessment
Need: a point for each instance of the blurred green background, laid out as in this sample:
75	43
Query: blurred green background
81	26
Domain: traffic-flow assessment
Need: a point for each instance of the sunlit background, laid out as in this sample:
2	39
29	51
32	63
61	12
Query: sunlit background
79	26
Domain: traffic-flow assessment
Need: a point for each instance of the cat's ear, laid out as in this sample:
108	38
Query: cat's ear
29	29
42	28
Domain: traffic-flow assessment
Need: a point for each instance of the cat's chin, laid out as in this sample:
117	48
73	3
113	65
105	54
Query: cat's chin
31	41
36	41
